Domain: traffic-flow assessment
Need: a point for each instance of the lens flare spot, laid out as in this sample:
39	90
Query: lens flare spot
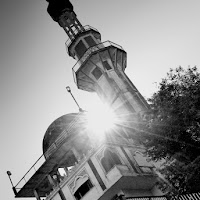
100	119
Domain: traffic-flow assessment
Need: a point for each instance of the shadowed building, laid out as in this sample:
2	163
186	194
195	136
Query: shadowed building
76	164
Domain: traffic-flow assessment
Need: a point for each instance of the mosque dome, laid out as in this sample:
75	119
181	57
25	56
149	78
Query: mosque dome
56	128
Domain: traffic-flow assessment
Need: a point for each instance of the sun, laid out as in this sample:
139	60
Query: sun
100	119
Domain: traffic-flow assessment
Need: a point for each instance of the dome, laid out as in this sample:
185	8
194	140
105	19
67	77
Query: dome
56	128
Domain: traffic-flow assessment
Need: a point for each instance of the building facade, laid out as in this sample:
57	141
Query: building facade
79	166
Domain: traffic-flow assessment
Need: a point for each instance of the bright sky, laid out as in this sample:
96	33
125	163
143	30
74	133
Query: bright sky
35	68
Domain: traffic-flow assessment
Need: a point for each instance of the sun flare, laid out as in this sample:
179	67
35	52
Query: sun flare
100	119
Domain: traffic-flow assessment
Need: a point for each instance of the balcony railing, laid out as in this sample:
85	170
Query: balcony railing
30	173
86	28
98	47
193	196
147	198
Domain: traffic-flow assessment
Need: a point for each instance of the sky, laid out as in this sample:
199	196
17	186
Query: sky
35	67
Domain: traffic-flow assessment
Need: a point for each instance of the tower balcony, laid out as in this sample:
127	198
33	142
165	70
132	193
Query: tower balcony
79	33
120	177
97	59
37	176
29	179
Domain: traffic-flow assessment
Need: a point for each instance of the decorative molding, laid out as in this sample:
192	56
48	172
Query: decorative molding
72	184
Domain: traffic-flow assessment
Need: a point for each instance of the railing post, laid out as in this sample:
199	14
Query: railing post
36	195
51	180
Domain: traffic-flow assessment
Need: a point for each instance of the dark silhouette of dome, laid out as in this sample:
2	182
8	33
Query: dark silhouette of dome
56	128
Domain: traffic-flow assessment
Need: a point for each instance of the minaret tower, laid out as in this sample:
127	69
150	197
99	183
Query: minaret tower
100	65
76	164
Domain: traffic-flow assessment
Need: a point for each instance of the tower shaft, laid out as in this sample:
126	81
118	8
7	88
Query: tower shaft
101	67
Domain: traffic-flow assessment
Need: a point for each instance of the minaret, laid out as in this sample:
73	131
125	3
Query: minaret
77	165
100	65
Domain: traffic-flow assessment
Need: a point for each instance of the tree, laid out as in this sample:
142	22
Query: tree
171	132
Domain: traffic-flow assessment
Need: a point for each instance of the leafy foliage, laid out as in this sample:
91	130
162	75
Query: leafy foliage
171	131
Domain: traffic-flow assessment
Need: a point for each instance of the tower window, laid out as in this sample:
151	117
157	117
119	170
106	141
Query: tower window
80	48
109	160
83	189
90	41
97	73
106	65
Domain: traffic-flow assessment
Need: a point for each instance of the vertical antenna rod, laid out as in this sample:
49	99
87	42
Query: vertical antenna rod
14	189
69	90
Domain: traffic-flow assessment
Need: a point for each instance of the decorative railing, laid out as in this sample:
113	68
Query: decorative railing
192	196
86	28
30	173
147	198
98	47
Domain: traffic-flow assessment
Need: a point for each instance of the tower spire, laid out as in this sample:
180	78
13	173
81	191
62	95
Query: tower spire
100	65
62	12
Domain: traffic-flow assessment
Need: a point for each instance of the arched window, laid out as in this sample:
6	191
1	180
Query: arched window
83	189
109	160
